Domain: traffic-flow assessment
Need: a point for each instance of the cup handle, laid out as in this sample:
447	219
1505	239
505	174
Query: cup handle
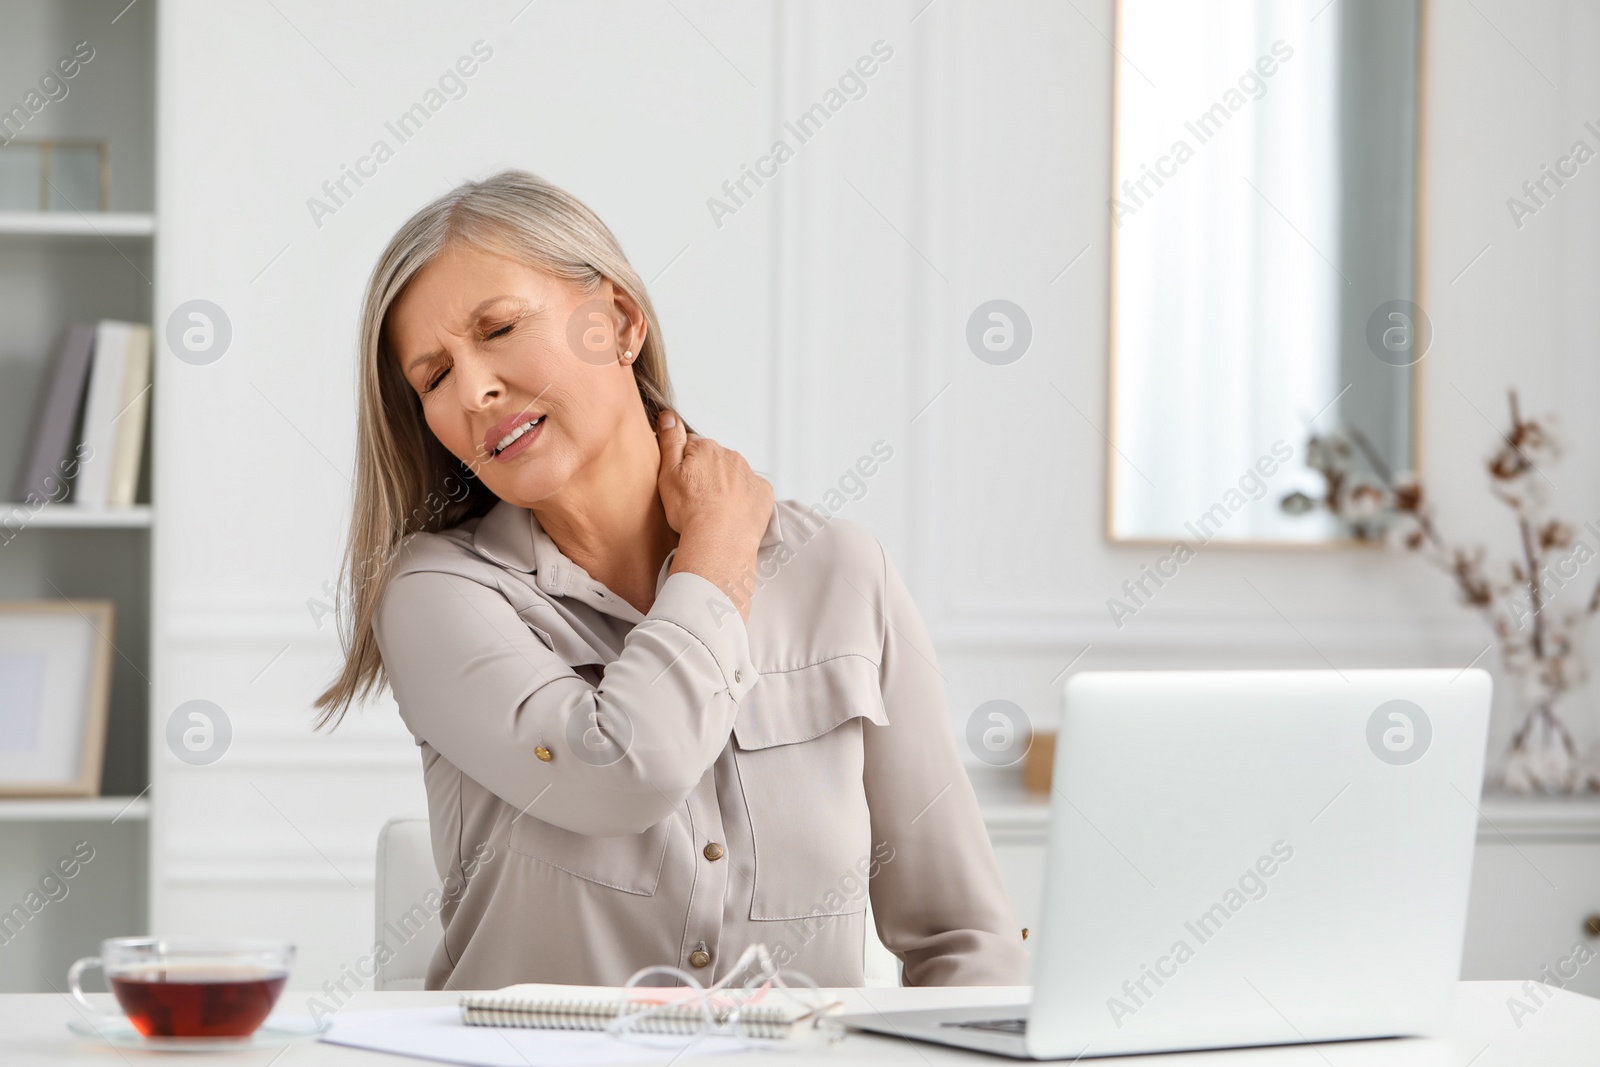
74	977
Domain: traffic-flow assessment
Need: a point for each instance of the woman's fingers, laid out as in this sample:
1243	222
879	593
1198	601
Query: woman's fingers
708	489
670	436
717	504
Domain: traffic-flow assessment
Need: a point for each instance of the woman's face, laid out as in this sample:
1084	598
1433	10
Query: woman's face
496	348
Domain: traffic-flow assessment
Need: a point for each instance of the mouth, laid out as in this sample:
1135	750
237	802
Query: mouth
517	440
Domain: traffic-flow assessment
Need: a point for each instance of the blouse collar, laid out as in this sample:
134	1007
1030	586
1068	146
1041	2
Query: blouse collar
512	537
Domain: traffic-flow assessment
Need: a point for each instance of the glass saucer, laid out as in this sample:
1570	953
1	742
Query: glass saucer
277	1031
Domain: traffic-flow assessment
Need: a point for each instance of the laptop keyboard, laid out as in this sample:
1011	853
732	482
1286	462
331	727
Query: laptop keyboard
999	1026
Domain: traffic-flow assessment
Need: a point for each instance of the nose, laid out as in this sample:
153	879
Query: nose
478	381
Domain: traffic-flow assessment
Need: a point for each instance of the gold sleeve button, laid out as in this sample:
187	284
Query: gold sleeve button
699	958
543	753
714	851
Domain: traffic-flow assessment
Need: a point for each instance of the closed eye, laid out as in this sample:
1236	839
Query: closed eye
501	332
437	378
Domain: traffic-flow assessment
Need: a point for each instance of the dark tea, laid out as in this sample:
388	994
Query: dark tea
196	1001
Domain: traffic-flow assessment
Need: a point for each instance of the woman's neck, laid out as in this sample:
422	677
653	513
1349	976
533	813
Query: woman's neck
609	520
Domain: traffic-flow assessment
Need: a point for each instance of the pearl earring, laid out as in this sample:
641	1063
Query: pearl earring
627	357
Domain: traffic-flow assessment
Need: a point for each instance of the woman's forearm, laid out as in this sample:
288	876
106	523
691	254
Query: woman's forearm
725	558
940	904
475	682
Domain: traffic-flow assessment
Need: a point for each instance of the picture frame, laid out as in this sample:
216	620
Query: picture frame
55	687
55	174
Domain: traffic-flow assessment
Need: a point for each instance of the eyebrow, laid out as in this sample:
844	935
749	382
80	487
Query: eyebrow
476	313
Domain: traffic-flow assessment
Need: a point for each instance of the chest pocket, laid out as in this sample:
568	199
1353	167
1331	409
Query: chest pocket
631	862
798	747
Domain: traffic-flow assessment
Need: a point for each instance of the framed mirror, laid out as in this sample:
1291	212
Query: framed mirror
1265	226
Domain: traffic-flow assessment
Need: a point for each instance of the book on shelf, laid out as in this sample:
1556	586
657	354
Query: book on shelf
130	419
89	427
42	475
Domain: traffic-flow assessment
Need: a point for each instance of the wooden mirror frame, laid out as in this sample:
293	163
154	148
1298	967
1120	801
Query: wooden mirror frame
1418	297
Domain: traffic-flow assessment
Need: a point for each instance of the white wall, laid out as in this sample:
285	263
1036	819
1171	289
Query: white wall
823	316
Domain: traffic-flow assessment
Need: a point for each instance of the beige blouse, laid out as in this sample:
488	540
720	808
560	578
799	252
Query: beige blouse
610	790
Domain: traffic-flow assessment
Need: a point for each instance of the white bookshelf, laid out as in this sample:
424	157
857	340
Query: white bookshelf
77	224
58	267
75	809
73	517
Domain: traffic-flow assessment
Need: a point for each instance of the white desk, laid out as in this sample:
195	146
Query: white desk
1565	1032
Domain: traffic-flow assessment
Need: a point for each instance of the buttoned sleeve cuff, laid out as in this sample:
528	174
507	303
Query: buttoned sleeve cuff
697	605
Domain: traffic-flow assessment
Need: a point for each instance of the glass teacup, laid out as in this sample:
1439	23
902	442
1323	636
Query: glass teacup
190	987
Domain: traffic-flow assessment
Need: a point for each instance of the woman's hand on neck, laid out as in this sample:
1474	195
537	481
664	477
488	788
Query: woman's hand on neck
608	517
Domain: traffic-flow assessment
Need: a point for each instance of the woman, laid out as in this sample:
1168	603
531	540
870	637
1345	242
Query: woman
661	717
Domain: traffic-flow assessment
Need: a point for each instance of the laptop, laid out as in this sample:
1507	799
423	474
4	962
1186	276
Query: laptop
1244	858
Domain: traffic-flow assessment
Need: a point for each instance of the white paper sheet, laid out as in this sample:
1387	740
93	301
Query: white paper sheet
439	1034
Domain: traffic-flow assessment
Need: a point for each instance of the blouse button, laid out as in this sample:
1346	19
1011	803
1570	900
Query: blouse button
738	676
543	753
699	958
714	851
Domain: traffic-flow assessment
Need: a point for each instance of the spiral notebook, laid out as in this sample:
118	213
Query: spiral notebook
533	1005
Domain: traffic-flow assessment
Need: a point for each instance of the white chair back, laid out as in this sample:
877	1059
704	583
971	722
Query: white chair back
403	920
882	967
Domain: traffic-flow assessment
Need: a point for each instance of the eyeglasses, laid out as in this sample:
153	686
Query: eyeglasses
770	1008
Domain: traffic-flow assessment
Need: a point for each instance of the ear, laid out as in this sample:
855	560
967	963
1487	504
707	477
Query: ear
631	324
